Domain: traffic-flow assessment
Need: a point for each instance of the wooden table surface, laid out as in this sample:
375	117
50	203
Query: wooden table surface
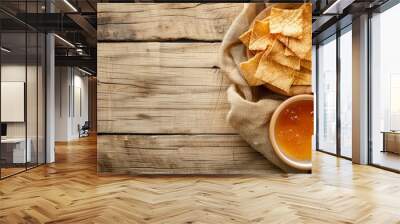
161	98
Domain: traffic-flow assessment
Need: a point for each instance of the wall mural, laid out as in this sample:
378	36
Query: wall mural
190	88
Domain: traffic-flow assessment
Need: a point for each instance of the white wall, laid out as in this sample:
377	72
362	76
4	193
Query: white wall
12	101
70	81
81	82
11	73
33	126
62	82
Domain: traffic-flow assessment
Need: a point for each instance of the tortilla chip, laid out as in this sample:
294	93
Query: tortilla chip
288	52
288	22
275	74
276	53
293	91
245	38
260	37
301	47
280	61
297	90
251	54
249	68
302	78
276	90
309	55
284	40
306	64
266	19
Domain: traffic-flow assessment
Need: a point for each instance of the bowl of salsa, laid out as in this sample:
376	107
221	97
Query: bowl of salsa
291	129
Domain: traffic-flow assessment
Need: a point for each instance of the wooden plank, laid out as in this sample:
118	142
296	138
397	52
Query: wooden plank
161	54
179	154
168	21
161	88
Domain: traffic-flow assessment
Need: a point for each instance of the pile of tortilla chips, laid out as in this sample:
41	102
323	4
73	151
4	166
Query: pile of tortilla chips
279	50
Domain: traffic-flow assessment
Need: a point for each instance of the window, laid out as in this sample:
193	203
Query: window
327	95
385	89
346	92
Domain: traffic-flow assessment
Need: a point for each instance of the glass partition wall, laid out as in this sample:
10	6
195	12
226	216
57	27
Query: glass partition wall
334	94
22	99
13	85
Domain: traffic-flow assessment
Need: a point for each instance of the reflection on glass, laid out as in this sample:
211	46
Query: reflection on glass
32	86
346	94
31	100
385	89
13	86
22	91
327	96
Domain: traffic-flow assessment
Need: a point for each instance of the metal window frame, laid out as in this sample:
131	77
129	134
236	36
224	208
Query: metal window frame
44	74
339	32
317	94
381	9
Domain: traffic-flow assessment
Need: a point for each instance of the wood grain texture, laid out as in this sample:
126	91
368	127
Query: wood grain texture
161	22
161	88
161	98
179	154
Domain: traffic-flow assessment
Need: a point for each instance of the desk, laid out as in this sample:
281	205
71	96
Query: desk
17	148
391	141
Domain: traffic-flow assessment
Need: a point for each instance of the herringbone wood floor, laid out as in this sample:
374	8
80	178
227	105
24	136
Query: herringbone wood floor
69	191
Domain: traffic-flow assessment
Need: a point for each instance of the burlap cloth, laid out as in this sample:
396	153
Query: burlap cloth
251	108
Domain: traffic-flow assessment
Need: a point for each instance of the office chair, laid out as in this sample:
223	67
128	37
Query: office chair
84	130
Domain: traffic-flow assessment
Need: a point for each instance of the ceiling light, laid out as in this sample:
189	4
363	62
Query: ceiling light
5	50
65	41
84	71
70	5
337	7
79	51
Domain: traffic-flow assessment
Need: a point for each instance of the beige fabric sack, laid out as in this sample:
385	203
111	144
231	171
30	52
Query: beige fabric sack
250	107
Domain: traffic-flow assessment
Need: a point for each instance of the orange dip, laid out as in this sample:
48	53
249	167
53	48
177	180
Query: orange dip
294	129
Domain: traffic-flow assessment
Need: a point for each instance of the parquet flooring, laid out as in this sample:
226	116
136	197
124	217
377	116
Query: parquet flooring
7	171
70	191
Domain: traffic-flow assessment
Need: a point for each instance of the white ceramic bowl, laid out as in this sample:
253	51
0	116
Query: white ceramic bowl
301	165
